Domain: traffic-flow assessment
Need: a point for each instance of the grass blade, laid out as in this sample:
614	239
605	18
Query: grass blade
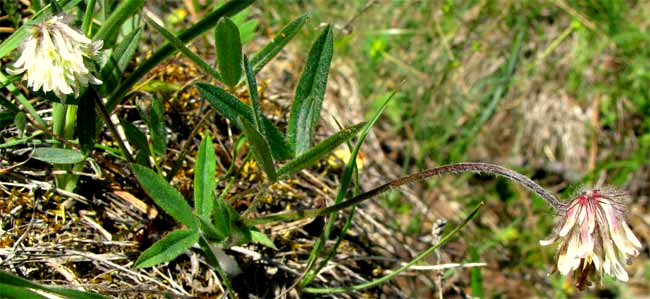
232	108
167	248
178	44
165	196
204	178
261	149
317	152
393	274
229	53
117	62
306	106
112	25
346	178
259	60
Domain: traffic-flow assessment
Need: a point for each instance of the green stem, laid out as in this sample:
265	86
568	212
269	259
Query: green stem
88	18
393	274
447	169
70	180
59	112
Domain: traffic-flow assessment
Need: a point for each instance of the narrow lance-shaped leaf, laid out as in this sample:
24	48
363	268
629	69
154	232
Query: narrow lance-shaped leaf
57	155
135	137
167	248
229	54
204	178
118	60
232	108
306	106
11	284
319	151
165	196
157	125
260	148
259	60
255	99
261	238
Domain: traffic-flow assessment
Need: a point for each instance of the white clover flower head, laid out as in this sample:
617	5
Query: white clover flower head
53	57
594	237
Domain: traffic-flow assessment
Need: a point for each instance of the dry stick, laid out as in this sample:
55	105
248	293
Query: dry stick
452	168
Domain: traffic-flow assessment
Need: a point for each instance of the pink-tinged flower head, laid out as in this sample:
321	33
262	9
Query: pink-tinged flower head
594	237
53	57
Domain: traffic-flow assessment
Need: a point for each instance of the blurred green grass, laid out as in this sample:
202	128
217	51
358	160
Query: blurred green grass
559	90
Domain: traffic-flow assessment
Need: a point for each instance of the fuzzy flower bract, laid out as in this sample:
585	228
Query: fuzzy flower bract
594	237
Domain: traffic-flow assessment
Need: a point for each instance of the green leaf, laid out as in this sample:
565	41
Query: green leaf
261	149
14	280
246	27
229	52
135	137
232	108
229	8
305	109
123	11
157	125
7	118
11	107
165	196
211	231
178	44
86	120
259	60
13	286
119	59
204	178
255	99
14	292
21	122
57	155
74	294
263	239
319	151
167	248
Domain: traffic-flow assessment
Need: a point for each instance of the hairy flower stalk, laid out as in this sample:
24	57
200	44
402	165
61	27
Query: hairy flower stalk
594	237
53	57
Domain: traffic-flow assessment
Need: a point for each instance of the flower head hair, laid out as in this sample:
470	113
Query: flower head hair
594	237
53	57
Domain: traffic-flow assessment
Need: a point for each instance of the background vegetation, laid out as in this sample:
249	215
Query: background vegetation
558	90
